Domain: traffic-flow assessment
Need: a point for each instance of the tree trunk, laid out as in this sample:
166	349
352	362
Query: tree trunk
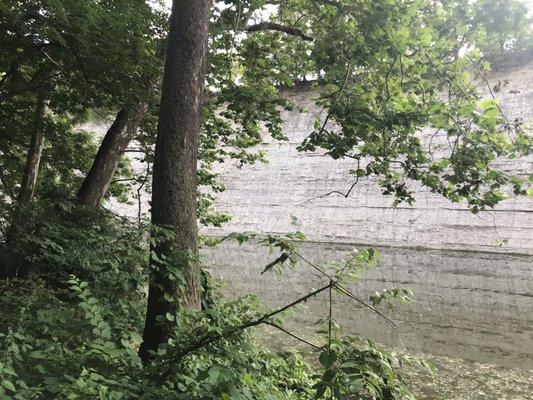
31	171
115	142
175	169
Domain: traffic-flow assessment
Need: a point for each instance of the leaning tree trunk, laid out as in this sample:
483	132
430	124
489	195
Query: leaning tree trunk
175	170
115	142
31	171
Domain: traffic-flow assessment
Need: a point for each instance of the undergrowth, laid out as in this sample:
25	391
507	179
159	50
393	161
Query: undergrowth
71	326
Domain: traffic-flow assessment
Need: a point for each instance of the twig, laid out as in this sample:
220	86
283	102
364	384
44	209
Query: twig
357	299
343	289
339	94
483	76
124	180
291	334
139	204
312	265
330	313
345	195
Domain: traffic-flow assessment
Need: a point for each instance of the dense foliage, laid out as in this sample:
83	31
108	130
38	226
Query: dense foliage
76	338
73	282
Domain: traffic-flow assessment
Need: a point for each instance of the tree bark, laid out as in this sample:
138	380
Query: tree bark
175	170
31	171
115	142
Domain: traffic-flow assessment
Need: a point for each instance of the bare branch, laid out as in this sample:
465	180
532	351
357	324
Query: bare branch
345	195
343	289
292	334
339	94
352	296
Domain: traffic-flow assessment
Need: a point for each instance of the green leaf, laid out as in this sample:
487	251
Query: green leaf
214	373
37	354
9	370
327	358
280	260
9	386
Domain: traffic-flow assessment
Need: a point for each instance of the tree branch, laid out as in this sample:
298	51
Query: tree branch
215	337
271	26
345	195
352	296
343	289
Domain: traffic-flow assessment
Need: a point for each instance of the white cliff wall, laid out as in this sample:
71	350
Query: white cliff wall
472	274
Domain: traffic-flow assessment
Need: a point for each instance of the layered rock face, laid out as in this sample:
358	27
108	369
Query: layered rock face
472	275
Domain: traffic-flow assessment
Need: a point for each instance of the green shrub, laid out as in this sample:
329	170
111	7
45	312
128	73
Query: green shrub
52	348
71	324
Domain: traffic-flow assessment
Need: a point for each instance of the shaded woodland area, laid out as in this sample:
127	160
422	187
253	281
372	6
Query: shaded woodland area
96	306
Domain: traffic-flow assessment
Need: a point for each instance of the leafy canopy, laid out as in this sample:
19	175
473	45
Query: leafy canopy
388	70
